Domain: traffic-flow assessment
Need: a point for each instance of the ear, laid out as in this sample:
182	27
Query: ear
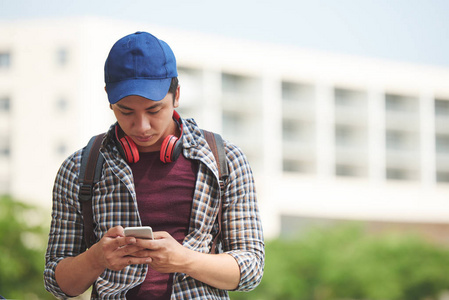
176	100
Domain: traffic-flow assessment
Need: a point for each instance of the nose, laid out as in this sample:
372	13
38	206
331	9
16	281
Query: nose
142	124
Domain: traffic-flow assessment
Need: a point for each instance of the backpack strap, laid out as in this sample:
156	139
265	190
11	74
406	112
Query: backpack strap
216	144
90	173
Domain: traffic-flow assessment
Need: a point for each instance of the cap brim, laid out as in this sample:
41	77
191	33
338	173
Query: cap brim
152	89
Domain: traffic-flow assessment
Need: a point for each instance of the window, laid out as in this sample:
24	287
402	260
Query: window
290	165
293	91
238	84
232	122
344	135
61	149
399	103
398	174
232	82
5	60
345	170
443	177
442	143
395	139
62	56
441	107
348	98
394	103
5	105
5	148
289	90
191	81
62	104
290	129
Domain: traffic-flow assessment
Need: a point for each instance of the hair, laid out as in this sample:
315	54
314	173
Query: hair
173	87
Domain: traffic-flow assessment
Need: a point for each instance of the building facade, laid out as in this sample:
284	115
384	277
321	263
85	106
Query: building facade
329	136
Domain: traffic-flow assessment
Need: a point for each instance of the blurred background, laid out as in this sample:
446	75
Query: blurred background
342	108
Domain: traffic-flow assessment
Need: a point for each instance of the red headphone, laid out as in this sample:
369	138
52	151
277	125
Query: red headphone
170	150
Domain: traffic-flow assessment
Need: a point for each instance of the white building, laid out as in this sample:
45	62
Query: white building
328	136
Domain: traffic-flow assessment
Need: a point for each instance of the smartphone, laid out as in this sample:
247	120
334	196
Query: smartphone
143	232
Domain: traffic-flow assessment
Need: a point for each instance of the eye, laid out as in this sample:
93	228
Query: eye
125	113
153	112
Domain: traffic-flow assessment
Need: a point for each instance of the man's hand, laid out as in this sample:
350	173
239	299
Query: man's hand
165	254
115	251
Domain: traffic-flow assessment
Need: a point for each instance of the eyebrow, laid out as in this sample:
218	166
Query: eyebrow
148	108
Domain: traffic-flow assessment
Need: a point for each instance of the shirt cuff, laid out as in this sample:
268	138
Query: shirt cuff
251	269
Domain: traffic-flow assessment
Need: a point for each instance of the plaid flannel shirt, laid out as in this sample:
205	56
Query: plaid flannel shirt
114	203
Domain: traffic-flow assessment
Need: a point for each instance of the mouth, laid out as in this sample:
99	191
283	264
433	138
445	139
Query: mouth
144	139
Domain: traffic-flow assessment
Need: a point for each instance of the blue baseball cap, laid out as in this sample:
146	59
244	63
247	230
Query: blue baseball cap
139	64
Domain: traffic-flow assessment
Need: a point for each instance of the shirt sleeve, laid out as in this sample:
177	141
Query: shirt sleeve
66	231
242	226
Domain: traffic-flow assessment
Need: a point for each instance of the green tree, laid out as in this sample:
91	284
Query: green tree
23	236
345	262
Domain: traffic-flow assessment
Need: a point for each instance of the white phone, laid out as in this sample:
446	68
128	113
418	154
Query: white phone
143	232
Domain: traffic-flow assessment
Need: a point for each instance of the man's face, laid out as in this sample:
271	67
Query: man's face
145	121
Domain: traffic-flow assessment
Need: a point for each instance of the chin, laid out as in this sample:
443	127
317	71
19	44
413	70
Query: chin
148	147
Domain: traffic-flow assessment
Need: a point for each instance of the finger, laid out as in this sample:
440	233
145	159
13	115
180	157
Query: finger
137	260
115	231
127	261
120	242
112	244
148	244
160	235
130	240
128	250
142	253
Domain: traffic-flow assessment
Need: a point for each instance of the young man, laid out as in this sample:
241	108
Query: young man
176	194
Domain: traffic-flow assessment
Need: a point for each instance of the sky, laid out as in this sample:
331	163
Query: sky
414	31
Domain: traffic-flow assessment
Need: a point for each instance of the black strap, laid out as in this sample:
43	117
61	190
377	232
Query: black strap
90	173
217	146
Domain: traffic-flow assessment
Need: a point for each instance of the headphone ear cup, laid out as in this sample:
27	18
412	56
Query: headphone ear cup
126	146
167	148
130	151
170	149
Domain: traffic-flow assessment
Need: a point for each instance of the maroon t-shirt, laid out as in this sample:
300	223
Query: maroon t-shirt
164	197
